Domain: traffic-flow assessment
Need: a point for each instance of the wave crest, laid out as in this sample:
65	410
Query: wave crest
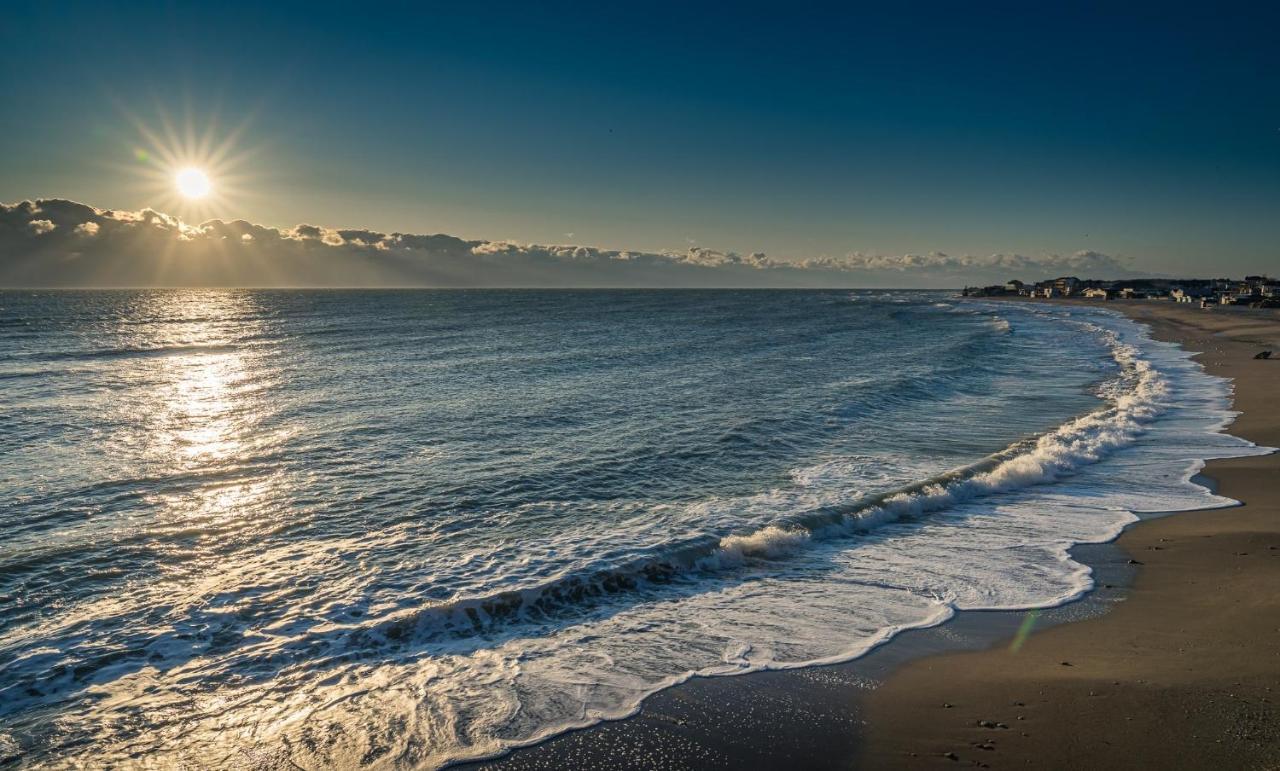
1133	399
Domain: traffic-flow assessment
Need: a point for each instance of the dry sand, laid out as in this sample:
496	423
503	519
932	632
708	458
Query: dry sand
1185	673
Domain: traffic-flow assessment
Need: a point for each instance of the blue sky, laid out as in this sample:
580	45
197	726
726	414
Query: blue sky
1152	135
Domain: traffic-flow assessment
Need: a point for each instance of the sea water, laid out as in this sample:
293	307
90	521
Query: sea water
404	528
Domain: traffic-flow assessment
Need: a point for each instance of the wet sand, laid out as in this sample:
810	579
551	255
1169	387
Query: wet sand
1171	663
1185	673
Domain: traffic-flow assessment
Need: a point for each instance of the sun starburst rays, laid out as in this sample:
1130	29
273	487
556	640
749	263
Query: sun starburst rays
195	170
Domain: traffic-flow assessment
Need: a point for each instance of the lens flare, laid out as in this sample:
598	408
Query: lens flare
1024	631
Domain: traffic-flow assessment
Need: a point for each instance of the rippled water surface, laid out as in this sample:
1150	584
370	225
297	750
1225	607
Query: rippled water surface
254	528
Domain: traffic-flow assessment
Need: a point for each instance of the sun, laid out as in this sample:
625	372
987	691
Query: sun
192	182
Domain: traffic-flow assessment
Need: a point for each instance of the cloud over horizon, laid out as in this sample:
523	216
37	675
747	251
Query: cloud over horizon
56	242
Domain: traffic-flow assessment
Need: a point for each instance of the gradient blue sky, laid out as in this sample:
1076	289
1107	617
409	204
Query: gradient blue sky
1149	134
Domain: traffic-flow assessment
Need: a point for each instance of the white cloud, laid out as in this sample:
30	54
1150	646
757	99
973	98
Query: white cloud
1093	263
138	249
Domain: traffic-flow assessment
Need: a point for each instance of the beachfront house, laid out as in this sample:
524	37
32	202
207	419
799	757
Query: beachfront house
1188	294
1097	293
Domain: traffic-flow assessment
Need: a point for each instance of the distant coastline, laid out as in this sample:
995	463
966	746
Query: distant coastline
1254	291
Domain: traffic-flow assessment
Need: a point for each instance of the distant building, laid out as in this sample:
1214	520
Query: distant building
1066	285
1097	293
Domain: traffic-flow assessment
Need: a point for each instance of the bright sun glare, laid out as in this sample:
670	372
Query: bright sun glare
193	183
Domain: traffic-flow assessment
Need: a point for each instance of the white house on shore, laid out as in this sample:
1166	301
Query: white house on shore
1188	295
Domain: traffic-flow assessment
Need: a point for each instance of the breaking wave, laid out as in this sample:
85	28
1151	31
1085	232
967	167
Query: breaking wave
1132	400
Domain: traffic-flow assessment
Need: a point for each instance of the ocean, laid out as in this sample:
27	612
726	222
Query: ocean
406	528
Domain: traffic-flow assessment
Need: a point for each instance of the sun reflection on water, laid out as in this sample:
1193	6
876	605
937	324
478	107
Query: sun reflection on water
200	407
200	415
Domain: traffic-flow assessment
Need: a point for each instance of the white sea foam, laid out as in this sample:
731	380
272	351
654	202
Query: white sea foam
769	542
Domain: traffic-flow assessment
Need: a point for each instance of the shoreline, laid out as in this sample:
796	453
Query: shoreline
883	708
1185	672
734	722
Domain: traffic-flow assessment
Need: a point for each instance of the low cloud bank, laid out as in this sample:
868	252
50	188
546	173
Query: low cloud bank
54	242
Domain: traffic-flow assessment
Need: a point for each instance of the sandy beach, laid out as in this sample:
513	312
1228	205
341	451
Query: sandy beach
1185	673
